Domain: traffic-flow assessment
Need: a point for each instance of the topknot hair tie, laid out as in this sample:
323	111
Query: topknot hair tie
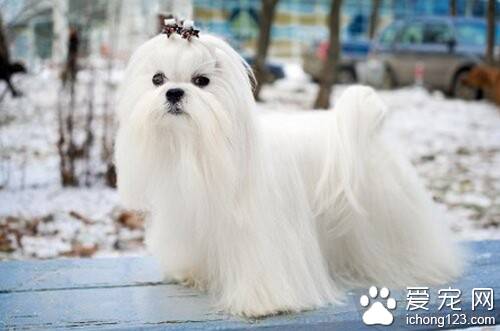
184	28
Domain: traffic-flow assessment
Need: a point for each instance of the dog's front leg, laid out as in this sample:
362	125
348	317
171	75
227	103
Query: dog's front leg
262	269
177	251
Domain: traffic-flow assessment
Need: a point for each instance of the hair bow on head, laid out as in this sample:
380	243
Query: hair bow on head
183	28
169	26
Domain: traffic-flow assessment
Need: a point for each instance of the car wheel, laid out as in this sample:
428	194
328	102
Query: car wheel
463	91
346	76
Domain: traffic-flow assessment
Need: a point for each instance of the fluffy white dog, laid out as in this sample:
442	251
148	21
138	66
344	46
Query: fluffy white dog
268	213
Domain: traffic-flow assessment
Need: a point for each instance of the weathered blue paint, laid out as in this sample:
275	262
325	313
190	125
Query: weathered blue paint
127	293
76	273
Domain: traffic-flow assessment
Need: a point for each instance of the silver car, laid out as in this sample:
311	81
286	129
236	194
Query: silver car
437	52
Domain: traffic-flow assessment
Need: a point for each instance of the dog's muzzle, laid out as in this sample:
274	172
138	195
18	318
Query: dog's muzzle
174	96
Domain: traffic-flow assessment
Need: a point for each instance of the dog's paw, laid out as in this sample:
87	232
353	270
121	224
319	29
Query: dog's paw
256	307
253	313
187	281
193	283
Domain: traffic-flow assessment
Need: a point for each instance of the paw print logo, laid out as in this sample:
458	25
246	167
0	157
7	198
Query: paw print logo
378	313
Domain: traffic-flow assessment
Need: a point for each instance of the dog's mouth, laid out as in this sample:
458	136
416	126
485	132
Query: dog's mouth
175	109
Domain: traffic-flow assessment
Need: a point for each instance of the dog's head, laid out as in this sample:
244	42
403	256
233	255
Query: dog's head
186	106
17	67
174	86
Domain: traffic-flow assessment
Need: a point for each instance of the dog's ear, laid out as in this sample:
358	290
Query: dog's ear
251	75
236	62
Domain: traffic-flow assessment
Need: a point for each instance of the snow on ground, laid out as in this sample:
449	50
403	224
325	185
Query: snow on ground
38	218
455	146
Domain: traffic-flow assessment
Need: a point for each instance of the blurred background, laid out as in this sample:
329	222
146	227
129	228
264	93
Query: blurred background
435	64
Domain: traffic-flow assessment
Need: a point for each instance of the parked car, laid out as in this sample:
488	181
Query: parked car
440	51
351	52
274	69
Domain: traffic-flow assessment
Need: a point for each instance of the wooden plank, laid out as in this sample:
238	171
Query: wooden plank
77	273
128	271
95	294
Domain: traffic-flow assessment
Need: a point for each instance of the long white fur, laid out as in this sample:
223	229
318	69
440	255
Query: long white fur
269	213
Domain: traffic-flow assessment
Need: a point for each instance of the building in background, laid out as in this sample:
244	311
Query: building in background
116	27
105	27
302	23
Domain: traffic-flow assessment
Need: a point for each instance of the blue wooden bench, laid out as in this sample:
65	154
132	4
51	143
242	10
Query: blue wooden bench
127	293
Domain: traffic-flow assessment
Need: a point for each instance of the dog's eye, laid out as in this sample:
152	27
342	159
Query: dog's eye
159	78
201	81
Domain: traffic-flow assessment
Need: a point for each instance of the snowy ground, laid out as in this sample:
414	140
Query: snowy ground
455	146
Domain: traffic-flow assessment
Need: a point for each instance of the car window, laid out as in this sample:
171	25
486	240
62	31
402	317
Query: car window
437	33
471	33
389	34
474	33
413	34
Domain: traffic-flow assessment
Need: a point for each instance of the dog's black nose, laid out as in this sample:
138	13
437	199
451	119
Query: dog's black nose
175	94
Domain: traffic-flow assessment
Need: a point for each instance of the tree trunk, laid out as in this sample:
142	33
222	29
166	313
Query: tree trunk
108	129
265	24
374	18
4	48
491	32
69	152
453	7
329	75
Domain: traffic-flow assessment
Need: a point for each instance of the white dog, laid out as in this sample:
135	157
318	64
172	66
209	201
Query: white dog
268	213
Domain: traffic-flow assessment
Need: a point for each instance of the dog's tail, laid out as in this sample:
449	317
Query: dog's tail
358	115
370	198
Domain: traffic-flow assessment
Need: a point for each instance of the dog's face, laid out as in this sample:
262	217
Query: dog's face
178	86
184	109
